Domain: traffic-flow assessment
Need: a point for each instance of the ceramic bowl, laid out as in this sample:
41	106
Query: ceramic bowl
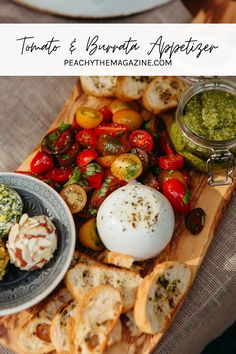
20	289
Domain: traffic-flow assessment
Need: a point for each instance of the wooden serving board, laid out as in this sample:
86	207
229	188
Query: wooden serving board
184	247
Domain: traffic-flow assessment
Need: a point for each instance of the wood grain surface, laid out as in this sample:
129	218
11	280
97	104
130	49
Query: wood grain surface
183	246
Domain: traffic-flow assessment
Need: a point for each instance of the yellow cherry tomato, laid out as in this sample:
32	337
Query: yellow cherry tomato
88	118
75	197
127	167
106	161
117	105
130	118
88	235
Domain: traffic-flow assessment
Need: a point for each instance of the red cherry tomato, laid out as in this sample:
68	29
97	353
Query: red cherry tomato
107	114
111	145
60	174
87	138
165	144
178	195
111	129
58	140
69	157
171	162
93	173
109	185
141	139
85	157
41	163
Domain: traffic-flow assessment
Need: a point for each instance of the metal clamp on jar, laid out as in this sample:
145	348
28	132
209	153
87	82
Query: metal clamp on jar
205	128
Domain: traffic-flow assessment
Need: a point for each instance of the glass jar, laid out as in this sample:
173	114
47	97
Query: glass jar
209	155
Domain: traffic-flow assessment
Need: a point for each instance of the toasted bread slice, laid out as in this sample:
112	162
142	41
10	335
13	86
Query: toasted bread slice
118	259
129	88
79	257
59	333
99	86
96	317
163	93
83	278
116	334
34	337
159	295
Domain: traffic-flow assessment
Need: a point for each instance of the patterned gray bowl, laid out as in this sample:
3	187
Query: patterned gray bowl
20	289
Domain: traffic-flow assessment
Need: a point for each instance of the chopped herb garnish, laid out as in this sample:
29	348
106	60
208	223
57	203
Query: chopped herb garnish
91	169
65	157
131	171
52	136
64	126
187	196
75	176
92	211
104	188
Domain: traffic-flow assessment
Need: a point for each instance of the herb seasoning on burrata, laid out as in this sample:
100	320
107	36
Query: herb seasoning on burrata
212	115
11	209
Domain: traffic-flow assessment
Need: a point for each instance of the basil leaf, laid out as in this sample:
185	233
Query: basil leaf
131	171
187	196
74	177
91	169
104	188
64	126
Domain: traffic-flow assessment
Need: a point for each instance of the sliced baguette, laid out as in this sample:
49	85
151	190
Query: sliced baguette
59	334
83	278
163	93
96	317
34	337
159	295
118	259
130	88
79	257
116	334
99	86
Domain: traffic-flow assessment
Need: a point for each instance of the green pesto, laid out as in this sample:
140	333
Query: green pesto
212	115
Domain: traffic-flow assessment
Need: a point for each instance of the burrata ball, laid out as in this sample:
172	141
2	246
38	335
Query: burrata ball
136	220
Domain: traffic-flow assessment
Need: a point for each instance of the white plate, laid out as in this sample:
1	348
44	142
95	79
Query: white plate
93	8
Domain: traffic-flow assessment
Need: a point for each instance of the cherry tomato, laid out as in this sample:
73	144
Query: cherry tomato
88	235
111	129
118	104
106	161
164	175
94	174
69	157
110	145
187	178
171	162
85	157
142	155
88	118
87	138
106	113
75	197
178	194
110	184
59	175
127	167
141	139
75	125
131	119
151	181
58	140
41	163
165	144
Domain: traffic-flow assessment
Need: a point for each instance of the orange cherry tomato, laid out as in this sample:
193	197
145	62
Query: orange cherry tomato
88	235
127	167
106	161
128	117
88	118
75	197
164	175
117	105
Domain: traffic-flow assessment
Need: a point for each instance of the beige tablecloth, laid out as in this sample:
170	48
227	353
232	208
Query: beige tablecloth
29	105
